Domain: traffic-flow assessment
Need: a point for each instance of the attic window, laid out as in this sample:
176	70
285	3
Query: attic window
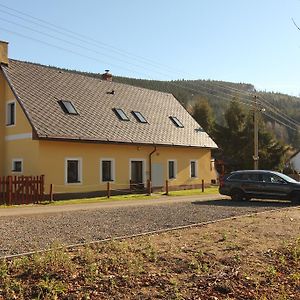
139	116
121	114
176	122
68	107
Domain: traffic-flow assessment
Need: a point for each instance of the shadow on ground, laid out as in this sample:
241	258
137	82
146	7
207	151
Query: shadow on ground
252	203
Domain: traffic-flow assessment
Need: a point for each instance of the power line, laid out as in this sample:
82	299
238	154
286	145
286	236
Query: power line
75	44
74	35
278	112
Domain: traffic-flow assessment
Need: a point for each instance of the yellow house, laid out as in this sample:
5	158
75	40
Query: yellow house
81	132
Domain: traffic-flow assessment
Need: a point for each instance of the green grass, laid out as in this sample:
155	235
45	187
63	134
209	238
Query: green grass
209	190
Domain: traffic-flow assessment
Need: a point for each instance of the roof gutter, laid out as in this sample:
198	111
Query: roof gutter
150	162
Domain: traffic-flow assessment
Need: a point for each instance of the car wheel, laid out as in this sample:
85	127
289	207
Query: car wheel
295	198
237	195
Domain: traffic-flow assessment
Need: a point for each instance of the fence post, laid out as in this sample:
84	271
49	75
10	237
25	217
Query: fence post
51	192
202	185
9	196
108	189
42	186
167	187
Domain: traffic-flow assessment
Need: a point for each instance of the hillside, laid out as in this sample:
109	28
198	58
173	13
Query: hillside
278	107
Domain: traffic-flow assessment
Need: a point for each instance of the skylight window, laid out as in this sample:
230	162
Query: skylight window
68	107
139	116
176	122
121	114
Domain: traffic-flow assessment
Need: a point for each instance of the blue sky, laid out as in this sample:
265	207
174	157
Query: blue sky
234	40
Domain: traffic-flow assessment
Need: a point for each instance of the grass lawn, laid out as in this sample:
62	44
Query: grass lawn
209	190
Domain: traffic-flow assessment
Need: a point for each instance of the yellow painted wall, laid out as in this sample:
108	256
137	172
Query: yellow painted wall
52	155
26	149
2	122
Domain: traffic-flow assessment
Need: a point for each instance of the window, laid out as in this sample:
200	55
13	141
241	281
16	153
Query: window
11	113
193	169
68	107
172	169
121	114
139	117
107	170
254	177
17	165
176	122
73	170
272	178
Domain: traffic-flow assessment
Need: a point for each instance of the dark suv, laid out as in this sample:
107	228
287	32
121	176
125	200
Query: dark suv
244	185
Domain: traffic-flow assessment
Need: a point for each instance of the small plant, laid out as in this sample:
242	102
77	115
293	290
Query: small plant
150	252
224	237
174	293
3	269
50	287
295	277
271	272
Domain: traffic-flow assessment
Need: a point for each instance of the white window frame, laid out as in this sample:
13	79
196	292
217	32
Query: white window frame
113	174
144	168
175	169
196	168
79	159
12	165
7	116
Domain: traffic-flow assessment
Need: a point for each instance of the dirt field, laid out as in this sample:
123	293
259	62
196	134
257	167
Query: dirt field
252	257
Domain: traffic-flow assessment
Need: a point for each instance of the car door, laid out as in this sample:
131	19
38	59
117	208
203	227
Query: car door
274	186
252	185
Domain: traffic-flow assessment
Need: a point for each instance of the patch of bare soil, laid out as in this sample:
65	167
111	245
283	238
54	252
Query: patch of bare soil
252	257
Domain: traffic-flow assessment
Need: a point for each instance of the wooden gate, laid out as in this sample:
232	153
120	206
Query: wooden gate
21	189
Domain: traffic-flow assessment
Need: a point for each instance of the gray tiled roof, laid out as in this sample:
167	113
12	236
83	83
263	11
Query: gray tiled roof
38	89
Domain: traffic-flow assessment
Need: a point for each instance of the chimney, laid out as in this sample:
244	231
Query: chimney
3	52
107	76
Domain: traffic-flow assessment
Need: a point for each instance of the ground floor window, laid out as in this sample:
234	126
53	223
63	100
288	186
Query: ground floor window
193	169
73	170
107	170
17	165
171	169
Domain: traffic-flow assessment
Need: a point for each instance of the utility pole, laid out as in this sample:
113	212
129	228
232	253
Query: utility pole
255	120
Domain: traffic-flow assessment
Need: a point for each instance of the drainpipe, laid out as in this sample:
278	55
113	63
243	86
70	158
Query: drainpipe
150	163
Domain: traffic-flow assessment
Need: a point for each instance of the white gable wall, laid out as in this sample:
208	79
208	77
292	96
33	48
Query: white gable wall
295	162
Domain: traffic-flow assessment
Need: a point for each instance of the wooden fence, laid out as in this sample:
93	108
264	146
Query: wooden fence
21	189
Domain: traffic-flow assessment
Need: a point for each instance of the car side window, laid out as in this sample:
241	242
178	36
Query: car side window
277	179
267	178
272	178
254	177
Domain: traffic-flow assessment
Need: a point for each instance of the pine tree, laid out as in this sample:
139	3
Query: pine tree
202	113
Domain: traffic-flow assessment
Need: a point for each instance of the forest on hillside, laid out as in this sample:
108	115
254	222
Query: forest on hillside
280	112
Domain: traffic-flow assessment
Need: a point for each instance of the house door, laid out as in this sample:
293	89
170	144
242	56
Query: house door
157	175
136	171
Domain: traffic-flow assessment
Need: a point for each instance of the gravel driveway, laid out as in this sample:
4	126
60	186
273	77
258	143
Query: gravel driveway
20	234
